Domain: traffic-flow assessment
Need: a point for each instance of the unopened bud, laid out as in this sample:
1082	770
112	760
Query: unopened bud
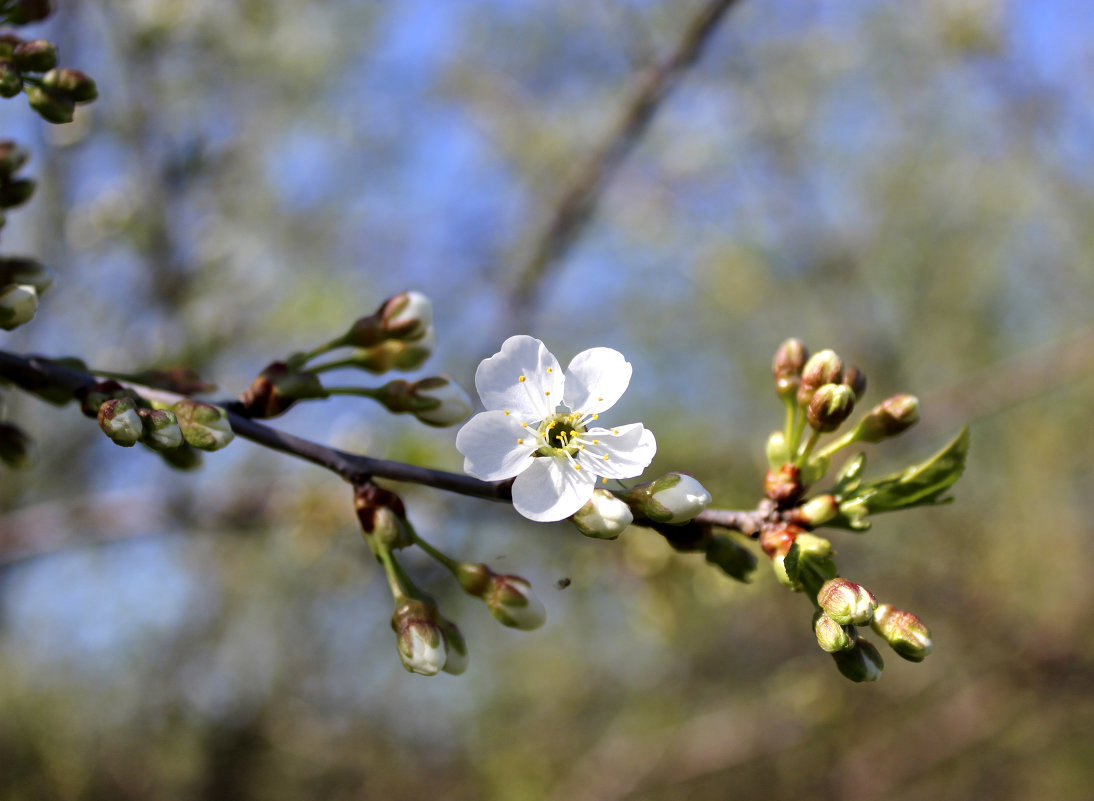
16	193
37	55
814	547
161	429
675	498
382	515
456	646
11	81
831	636
846	602
17	449
734	559
775	540
905	633
407	316
12	158
784	485
119	420
204	425
778	567
183	457
18	305
860	663
777	452
394	354
420	640
787	367
856	380
441	401
603	517
892	416
816	511
23	12
511	601
51	106
277	388
822	368
94	396
19	270
830	406
73	83
814	469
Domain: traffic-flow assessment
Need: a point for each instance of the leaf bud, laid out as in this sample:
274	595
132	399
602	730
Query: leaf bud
775	540
784	485
18	305
892	416
860	663
17	449
51	106
161	429
603	517
73	83
846	602
456	646
23	12
786	367
856	380
830	406
674	499
204	425
441	401
511	601
37	55
119	420
831	636
905	633
734	559
816	511
822	368
277	388
777	452
420	640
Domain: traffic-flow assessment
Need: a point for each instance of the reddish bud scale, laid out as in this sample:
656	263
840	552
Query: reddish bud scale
784	485
369	498
856	380
277	388
776	540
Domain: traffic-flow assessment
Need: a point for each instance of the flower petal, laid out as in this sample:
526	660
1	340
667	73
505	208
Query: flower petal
622	452
551	489
596	379
500	385
491	446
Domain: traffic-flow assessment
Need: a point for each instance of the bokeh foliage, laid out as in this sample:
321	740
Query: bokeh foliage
906	183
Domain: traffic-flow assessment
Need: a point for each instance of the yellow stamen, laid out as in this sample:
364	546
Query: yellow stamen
596	416
577	467
520	440
550	369
521	379
615	431
600	399
596	442
506	412
605	457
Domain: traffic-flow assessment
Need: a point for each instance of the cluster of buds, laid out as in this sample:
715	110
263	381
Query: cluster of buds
31	66
400	336
842	607
127	419
509	598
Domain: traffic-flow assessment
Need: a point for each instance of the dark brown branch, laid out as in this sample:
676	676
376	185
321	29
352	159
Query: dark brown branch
577	203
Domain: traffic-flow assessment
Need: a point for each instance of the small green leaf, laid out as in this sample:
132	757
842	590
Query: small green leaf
849	476
792	562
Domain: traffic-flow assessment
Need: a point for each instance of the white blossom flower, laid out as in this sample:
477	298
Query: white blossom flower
538	427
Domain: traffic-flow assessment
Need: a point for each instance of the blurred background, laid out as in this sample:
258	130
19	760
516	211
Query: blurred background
907	183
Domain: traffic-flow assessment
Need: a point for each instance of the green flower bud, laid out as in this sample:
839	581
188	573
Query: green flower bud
420	640
831	405
73	83
51	106
814	470
846	602
816	511
382	515
18	305
892	416
94	396
37	55
860	663
11	81
17	449
16	193
119	420
204	425
856	380
822	368
734	559
787	367
675	498
777	452
17	270
456	646
814	547
183	457
12	158
161	429
905	633
511	601
441	401
277	388
603	517
23	12
831	636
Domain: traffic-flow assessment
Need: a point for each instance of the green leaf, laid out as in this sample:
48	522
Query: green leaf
922	484
849	476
